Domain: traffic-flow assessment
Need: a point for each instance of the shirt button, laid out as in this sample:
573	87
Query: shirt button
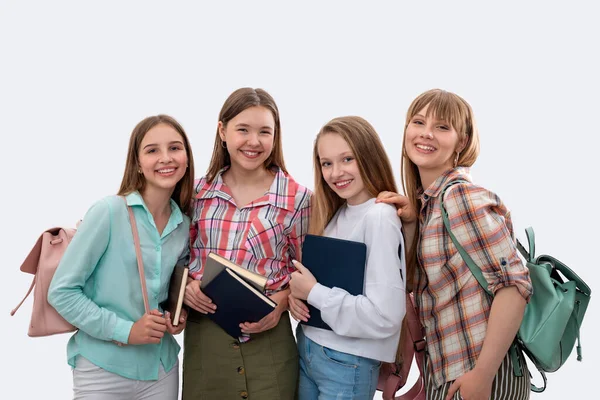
244	395
241	370
426	197
235	346
157	248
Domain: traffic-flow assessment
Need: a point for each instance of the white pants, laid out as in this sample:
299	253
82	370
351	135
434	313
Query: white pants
91	382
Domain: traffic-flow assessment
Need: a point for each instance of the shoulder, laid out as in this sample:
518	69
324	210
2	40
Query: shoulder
302	195
468	193
381	215
106	205
469	199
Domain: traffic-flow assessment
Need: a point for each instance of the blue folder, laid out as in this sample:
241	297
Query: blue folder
335	263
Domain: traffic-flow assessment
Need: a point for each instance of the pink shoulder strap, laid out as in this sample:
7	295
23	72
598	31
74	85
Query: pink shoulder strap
138	256
415	346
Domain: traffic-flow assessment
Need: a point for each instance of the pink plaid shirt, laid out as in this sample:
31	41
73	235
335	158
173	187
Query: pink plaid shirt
264	236
453	307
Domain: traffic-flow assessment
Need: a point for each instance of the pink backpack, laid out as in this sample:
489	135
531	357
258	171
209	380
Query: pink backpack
41	263
392	377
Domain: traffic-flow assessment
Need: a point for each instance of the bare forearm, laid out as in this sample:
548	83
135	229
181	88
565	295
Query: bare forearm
505	318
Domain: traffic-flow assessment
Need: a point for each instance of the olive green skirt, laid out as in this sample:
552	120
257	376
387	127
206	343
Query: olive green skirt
216	366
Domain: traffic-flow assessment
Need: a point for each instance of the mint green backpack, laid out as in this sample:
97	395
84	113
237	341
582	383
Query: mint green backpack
555	311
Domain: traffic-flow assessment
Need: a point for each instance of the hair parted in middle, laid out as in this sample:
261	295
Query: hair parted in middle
132	180
370	156
238	101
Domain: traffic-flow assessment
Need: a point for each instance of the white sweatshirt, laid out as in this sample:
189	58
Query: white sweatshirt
366	325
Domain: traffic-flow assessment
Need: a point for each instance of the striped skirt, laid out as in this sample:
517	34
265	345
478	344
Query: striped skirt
506	385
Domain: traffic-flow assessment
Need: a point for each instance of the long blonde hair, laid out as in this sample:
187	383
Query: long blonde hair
370	156
453	109
132	180
237	102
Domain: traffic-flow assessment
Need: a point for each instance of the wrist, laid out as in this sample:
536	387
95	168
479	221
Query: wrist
484	372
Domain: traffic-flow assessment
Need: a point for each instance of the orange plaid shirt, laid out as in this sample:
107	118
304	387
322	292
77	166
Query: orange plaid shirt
453	307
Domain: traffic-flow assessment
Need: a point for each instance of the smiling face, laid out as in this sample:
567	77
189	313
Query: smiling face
431	144
340	169
249	138
162	158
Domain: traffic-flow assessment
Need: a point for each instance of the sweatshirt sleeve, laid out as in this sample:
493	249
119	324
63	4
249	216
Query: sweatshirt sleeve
379	312
76	266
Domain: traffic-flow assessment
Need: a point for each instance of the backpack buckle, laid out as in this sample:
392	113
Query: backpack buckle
419	345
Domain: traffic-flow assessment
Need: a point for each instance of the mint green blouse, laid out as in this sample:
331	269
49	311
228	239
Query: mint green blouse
97	288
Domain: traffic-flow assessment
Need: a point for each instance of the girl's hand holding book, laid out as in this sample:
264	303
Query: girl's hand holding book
271	320
175	330
198	300
302	281
149	329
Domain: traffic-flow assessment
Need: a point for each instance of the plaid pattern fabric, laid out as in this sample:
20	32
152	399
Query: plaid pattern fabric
263	236
453	308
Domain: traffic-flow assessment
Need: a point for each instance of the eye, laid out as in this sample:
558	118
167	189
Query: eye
443	127
325	164
175	148
348	159
418	122
150	151
242	130
265	132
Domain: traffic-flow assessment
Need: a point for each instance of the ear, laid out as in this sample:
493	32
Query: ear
463	143
221	129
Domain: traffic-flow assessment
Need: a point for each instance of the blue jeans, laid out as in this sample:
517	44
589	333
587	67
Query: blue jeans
327	374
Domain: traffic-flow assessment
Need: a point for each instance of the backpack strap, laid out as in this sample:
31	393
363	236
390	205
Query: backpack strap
417	347
413	346
478	274
138	256
475	270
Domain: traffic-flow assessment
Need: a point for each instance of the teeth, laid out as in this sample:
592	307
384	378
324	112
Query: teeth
426	148
343	183
250	153
166	171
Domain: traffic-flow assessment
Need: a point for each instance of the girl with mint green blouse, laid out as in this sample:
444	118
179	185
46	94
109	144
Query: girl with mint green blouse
119	351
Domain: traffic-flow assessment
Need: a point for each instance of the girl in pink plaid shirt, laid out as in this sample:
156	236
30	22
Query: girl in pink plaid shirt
249	210
468	333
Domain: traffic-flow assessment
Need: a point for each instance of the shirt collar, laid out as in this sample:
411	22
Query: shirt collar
136	199
281	194
458	173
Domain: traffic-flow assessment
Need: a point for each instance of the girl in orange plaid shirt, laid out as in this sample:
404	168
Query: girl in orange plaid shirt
468	333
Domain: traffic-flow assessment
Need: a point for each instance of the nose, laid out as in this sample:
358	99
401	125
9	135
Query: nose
336	170
165	157
253	139
426	133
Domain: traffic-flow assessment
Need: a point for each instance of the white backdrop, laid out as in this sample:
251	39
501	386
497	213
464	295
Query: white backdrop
75	78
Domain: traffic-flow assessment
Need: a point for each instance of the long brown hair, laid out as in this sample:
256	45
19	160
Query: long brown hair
237	102
370	156
453	109
132	180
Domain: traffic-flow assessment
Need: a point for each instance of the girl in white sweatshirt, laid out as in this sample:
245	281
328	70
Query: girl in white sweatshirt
351	168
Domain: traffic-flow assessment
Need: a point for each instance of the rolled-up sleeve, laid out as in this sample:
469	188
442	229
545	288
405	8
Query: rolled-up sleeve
482	225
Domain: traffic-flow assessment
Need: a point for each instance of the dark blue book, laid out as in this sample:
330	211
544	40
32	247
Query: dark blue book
237	301
334	263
